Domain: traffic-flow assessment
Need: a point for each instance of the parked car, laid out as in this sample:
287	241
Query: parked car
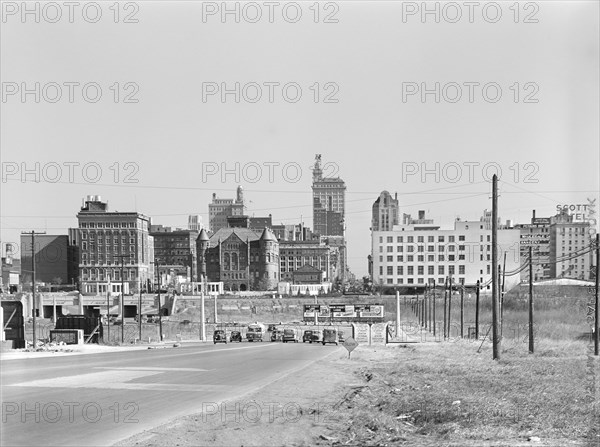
219	336
235	336
330	335
277	335
290	335
255	332
310	336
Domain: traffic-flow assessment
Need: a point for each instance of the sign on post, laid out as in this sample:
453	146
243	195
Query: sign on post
350	344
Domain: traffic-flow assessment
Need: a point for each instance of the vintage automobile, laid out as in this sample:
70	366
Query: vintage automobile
310	336
290	335
255	332
330	335
219	336
277	335
235	336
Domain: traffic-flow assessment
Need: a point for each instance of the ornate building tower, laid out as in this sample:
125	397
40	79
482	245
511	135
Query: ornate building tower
269	257
202	244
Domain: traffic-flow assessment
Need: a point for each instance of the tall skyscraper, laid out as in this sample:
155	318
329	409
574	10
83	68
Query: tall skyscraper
329	202
385	212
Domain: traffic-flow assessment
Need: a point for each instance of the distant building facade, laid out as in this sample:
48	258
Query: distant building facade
569	237
329	202
385	212
420	253
536	235
175	251
243	259
55	259
195	222
103	239
220	209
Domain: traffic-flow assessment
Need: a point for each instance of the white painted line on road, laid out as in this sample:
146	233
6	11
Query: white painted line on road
120	378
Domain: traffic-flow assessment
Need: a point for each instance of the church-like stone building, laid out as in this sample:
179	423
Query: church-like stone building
242	258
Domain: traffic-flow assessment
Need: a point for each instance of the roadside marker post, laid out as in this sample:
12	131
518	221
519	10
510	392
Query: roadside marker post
350	344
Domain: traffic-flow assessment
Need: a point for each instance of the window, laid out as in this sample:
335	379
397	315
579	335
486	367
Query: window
409	258
430	270
461	269
400	248
399	239
451	270
440	248
400	258
390	249
441	258
390	239
461	248
410	239
431	258
420	239
410	248
461	238
440	238
390	270
451	248
450	257
450	238
430	238
430	248
440	269
461	257
420	258
400	270
390	259
420	270
410	270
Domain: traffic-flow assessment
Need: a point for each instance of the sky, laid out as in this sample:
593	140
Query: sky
426	106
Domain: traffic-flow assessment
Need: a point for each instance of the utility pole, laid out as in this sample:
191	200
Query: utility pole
477	311
445	304
530	299
502	297
160	331
34	304
495	339
122	302
462	307
140	311
450	281
108	287
433	312
597	311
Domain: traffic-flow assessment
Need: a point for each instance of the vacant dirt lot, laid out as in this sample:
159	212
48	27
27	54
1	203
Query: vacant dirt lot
417	394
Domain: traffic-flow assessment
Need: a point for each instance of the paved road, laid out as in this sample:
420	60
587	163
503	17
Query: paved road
99	399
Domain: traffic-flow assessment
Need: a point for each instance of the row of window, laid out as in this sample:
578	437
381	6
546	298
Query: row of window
420	269
430	248
101	274
411	239
441	281
100	248
107	225
115	236
430	258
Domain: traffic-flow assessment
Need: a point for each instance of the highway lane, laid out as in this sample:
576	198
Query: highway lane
99	399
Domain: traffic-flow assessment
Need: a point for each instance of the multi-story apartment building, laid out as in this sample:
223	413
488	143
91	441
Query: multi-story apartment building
175	250
569	238
419	252
385	212
105	239
55	259
220	209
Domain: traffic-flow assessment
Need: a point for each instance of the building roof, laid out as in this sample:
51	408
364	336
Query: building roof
307	268
224	233
268	235
203	236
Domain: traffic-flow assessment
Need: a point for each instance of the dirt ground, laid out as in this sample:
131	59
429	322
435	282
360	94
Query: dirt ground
421	394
